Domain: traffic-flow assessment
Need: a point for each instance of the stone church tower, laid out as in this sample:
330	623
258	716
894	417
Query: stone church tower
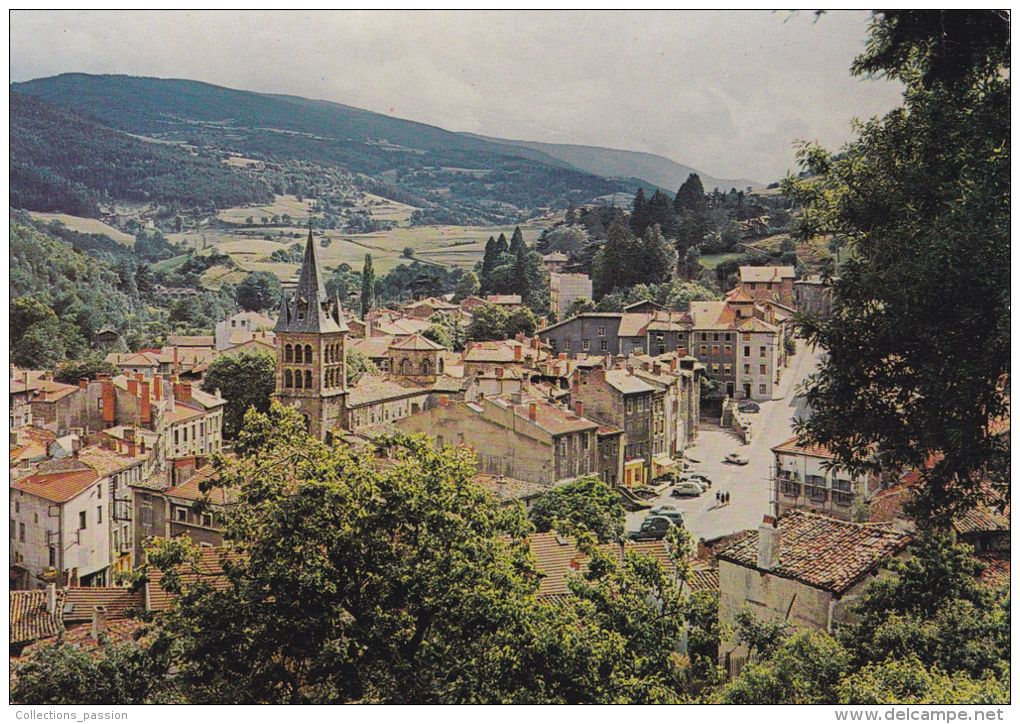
311	351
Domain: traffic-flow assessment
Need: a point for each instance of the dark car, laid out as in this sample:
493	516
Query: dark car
652	528
667	511
749	407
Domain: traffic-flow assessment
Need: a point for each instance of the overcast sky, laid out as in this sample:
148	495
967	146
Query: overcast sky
725	92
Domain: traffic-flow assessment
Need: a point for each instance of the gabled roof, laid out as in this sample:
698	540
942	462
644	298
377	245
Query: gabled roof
712	315
623	381
50	391
80	603
503	299
372	389
372	347
209	569
32	442
766	273
793	446
190	340
824	553
548	417
416	342
105	461
59	486
558	558
190	489
30	621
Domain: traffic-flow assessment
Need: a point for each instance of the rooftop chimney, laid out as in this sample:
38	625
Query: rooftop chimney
109	403
444	401
132	387
768	544
579	408
83	383
157	386
98	622
499	372
657	368
51	598
146	404
518	353
562	355
176	361
533	411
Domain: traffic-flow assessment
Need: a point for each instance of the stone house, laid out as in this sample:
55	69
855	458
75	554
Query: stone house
619	399
416	358
518	437
380	400
60	525
803	569
813	295
768	282
565	289
484	357
806	480
246	322
204	527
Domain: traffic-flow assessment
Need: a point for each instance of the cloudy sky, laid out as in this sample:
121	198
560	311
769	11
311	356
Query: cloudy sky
726	92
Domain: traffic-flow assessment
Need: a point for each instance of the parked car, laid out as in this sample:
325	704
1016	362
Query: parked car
696	478
749	407
646	493
652	528
687	490
736	459
666	511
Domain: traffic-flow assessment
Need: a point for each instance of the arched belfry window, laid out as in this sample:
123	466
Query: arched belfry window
288	353
298	357
288	378
297	379
308	353
308	379
426	367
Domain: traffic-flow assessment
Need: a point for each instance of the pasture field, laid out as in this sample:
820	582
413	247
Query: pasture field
449	246
86	226
383	209
711	261
282	205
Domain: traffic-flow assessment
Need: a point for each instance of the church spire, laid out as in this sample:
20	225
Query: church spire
310	286
310	309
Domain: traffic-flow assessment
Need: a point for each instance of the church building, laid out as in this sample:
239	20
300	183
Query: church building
311	345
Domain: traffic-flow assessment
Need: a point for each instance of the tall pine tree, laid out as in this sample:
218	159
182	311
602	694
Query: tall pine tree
639	213
692	215
656	259
502	247
660	211
517	241
367	286
489	262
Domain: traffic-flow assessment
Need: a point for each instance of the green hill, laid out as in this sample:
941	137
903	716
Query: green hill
62	161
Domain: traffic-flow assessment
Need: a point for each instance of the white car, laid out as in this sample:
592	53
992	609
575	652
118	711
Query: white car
737	459
686	490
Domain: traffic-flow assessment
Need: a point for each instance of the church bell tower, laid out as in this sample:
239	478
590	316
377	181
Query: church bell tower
311	350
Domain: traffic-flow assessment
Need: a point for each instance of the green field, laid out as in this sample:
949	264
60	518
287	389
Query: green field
86	226
449	246
711	261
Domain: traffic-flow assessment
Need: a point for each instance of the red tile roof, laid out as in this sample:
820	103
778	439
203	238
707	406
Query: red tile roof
554	420
558	558
190	489
80	603
996	572
208	569
822	552
58	487
29	619
794	447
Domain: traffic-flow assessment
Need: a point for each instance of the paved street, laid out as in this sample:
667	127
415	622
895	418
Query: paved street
748	485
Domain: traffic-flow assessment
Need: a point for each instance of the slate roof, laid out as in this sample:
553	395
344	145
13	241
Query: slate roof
322	313
766	273
824	553
57	487
80	603
29	620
